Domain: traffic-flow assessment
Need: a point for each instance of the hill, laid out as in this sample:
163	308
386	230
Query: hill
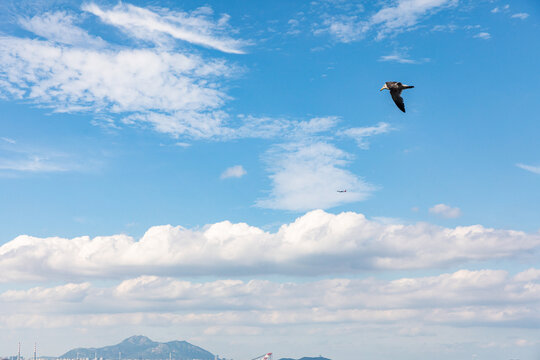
141	347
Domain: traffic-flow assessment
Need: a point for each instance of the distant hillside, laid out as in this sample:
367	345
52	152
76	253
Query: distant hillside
307	358
141	347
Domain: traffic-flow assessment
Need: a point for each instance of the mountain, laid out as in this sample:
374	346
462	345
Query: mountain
307	358
141	347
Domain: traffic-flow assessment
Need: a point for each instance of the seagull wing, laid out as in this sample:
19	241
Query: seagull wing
396	96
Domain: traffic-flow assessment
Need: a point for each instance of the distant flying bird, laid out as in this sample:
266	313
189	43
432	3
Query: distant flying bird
395	90
342	190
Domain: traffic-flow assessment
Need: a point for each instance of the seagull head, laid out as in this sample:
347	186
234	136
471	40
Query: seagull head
384	87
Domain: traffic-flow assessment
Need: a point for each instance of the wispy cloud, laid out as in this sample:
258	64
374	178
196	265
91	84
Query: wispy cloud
531	168
8	140
521	16
19	158
445	211
32	163
59	27
170	90
498	9
236	171
195	27
402	58
344	28
362	134
350	24
483	36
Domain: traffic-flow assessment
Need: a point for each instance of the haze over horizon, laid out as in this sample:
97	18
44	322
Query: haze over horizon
172	169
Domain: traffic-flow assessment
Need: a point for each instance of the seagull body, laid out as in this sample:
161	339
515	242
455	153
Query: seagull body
395	90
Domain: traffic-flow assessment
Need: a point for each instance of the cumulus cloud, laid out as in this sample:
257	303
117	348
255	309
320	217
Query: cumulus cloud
533	169
316	243
445	211
307	175
195	27
236	171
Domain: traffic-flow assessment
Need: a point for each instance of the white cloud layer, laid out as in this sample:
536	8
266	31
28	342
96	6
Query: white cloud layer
307	175
445	211
462	298
316	243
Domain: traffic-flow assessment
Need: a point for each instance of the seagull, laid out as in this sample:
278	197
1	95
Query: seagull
395	90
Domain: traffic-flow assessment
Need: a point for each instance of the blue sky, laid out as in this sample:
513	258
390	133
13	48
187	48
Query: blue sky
196	149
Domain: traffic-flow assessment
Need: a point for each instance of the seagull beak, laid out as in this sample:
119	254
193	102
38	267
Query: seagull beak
384	87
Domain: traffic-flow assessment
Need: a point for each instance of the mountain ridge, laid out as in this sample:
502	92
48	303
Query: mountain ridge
142	347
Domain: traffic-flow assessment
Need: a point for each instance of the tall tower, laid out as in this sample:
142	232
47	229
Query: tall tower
19	353
35	351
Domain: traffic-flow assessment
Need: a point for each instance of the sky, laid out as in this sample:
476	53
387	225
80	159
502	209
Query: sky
171	169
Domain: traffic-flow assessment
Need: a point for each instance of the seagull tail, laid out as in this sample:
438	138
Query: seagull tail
408	86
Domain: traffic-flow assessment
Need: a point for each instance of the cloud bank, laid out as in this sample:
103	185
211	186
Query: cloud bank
461	298
314	244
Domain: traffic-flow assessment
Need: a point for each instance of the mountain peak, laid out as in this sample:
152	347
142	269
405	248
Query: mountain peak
137	340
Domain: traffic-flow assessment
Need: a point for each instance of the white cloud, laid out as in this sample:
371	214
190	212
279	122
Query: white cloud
406	14
59	27
533	169
521	16
8	140
307	175
316	243
460	298
183	88
499	9
194	27
19	158
398	58
402	15
445	211
236	171
483	36
344	28
361	134
32	163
